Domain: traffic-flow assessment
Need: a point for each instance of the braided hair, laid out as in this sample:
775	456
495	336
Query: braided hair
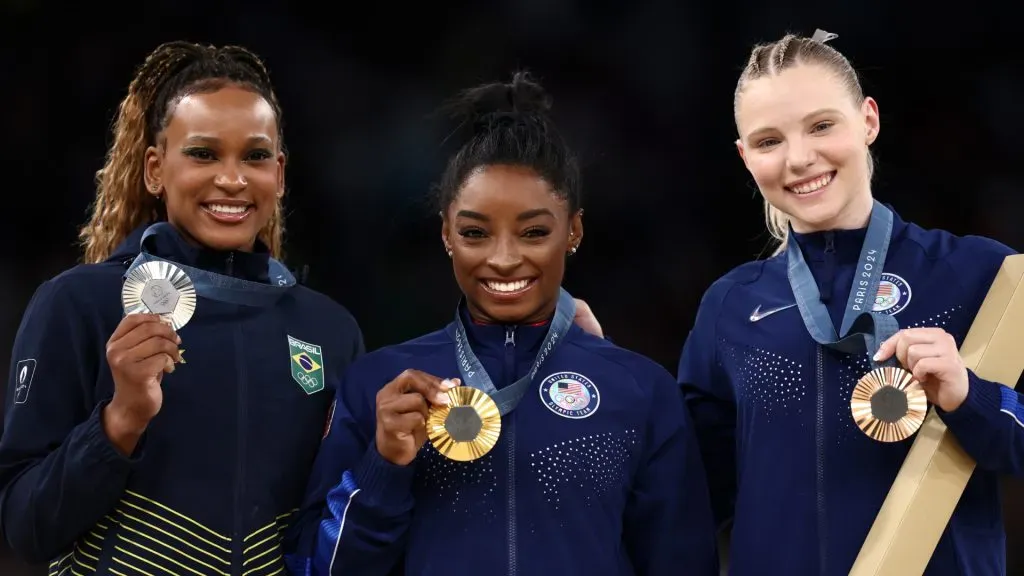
172	71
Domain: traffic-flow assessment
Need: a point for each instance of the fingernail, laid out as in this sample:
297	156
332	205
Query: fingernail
442	399
178	338
877	356
448	384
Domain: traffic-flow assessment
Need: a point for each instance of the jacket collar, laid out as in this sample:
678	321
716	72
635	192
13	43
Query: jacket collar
844	245
168	243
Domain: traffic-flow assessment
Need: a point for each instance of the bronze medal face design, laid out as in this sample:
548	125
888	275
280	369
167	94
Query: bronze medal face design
467	428
160	287
888	404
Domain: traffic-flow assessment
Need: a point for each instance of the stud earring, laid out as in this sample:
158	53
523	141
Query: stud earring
449	251
572	251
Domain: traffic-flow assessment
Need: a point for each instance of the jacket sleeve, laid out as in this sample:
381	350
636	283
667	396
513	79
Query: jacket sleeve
59	473
990	423
668	521
711	403
358	506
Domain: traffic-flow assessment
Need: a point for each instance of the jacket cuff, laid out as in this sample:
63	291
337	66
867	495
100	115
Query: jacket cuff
982	403
382	483
105	451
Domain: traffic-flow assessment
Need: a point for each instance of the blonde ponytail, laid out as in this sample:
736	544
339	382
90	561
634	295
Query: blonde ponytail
777	223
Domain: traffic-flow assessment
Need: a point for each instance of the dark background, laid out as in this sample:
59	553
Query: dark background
643	90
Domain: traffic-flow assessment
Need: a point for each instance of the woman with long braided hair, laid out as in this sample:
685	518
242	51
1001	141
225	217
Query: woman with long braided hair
173	433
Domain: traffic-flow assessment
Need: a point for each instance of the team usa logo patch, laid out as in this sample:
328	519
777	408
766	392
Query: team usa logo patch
893	294
570	395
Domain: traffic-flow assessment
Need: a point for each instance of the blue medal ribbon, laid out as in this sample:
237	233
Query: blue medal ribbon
220	287
474	375
862	330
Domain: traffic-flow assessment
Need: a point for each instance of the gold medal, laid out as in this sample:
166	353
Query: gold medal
160	287
467	428
888	404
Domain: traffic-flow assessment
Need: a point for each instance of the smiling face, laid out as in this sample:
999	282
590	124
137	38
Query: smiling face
805	140
508	234
219	167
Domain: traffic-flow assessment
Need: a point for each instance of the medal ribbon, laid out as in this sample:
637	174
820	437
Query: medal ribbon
474	375
220	287
862	330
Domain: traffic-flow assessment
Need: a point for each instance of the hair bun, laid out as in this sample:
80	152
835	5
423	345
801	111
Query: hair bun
527	96
488	105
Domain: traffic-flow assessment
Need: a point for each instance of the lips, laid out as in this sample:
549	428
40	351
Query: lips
228	212
810	185
508	288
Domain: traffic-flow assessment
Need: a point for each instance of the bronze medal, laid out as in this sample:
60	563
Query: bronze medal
888	404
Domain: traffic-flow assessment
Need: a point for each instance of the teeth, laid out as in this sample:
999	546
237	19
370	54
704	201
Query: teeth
814	185
225	209
507	286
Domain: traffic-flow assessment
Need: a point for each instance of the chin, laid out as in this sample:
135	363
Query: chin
221	242
820	216
518	311
505	313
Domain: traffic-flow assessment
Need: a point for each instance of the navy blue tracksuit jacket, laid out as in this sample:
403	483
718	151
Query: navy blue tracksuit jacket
221	469
610	485
772	407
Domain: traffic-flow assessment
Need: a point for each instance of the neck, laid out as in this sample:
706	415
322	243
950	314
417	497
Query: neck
853	216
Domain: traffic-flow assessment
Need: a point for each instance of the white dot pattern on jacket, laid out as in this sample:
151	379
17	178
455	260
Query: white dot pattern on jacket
590	465
772	382
459	487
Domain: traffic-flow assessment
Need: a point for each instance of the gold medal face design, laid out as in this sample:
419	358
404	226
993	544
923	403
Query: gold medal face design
888	404
159	287
467	428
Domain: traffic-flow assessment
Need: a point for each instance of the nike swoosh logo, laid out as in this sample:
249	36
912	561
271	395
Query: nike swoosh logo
757	314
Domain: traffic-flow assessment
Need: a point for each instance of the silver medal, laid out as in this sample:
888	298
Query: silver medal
160	287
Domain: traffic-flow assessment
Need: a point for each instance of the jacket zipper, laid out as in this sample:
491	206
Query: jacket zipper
509	433
240	457
819	433
829	269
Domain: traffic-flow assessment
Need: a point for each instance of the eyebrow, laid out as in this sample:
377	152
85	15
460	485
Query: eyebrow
204	139
523	216
818	112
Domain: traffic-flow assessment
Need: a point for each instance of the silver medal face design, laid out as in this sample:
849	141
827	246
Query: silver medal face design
162	288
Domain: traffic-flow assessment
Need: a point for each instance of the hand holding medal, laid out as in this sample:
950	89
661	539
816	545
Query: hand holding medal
402	412
932	356
158	299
